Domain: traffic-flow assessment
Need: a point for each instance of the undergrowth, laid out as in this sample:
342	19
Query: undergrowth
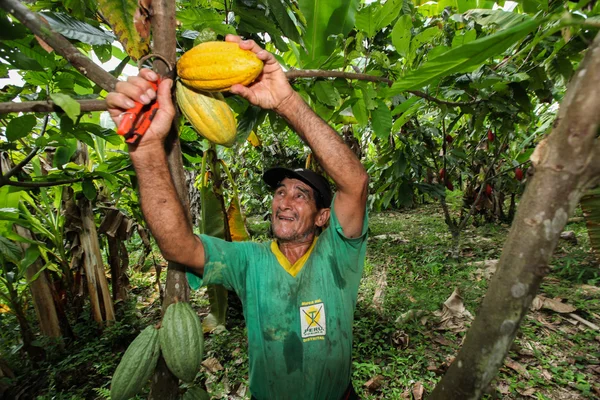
397	343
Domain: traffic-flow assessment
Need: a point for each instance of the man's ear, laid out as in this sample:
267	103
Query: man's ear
322	217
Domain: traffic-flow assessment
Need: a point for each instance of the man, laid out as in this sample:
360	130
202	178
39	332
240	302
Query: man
298	292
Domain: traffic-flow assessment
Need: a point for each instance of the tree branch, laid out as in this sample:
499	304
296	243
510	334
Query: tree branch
60	44
49	106
32	184
311	73
314	73
100	105
426	96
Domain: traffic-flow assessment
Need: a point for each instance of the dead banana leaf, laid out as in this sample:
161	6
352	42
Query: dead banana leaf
454	315
130	23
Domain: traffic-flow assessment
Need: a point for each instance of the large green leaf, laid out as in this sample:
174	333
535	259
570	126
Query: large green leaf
74	29
198	19
366	20
401	34
500	19
255	21
10	250
70	106
283	15
120	15
20	127
381	120
387	14
327	93
462	58
325	18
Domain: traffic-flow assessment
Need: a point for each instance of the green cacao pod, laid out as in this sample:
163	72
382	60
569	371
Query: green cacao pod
196	393
182	341
208	113
216	66
136	366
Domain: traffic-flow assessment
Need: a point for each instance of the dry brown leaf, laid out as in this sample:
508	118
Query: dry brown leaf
442	340
520	369
44	45
374	383
400	339
503	388
454	315
537	303
417	391
527	392
212	365
485	271
547	375
558	306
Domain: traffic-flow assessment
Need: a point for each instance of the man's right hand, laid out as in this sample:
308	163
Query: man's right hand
137	88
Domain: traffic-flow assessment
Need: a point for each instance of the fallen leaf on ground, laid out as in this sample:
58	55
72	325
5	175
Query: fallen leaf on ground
374	383
400	339
555	304
527	392
442	340
485	269
503	388
520	369
454	315
417	391
212	364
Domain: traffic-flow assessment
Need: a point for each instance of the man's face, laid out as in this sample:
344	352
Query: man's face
295	215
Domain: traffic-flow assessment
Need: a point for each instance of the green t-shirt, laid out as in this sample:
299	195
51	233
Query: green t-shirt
299	327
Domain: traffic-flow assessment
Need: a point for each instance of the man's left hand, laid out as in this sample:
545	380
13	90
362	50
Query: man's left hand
271	90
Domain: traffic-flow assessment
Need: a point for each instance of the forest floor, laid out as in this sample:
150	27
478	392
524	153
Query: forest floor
404	335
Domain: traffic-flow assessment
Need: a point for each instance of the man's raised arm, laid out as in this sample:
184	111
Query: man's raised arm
160	204
273	91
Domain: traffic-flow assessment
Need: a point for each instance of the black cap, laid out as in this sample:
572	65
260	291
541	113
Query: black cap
319	184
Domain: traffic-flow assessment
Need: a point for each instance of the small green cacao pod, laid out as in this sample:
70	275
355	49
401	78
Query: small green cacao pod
182	341
136	366
196	393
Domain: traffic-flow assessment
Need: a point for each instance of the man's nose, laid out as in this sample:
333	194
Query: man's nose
285	202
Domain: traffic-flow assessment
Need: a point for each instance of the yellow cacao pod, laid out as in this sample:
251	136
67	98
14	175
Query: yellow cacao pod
216	66
208	113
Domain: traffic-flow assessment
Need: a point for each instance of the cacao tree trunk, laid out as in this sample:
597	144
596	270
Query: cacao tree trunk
165	386
566	164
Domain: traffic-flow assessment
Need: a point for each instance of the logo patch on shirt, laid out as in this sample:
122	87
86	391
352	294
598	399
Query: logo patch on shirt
313	323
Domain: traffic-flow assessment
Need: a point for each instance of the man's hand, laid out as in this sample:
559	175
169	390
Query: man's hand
271	90
138	89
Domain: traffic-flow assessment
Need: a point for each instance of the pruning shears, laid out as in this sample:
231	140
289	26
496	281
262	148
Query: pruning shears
136	121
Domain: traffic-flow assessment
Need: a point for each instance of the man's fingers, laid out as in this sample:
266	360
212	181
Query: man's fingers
148	74
138	89
119	101
243	91
232	38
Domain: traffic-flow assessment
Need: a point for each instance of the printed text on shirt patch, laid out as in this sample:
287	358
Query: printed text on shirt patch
312	320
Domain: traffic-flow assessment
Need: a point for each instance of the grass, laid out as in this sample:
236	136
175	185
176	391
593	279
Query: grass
552	358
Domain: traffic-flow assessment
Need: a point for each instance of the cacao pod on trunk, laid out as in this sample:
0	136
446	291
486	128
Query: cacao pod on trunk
208	113
182	341
136	366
